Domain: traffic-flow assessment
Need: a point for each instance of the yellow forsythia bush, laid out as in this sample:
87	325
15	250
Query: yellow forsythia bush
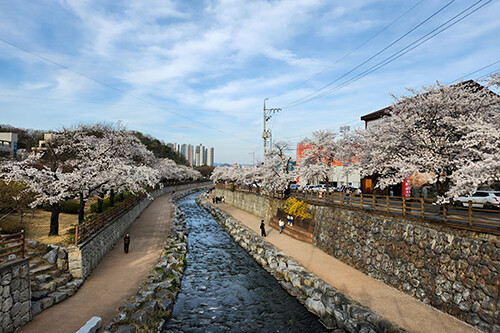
297	208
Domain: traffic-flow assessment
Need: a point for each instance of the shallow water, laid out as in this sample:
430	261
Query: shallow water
224	289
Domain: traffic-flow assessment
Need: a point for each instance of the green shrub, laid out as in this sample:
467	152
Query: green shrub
11	227
70	207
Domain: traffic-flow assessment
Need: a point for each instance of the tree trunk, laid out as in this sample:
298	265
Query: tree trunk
99	205
81	209
112	198
54	219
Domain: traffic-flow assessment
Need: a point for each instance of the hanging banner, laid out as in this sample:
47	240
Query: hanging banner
406	188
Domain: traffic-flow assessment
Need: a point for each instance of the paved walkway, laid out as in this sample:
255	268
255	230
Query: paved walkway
116	278
399	308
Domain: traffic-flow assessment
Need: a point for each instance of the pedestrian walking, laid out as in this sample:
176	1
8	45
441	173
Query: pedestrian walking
126	243
291	220
281	223
262	229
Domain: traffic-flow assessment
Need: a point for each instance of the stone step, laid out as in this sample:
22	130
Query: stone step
41	269
293	231
34	264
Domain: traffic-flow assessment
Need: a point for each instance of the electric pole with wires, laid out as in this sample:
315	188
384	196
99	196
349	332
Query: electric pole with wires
267	133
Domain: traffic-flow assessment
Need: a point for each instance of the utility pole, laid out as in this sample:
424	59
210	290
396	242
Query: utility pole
344	130
264	133
267	133
253	158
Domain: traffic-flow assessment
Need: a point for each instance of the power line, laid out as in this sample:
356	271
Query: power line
373	56
329	128
113	104
351	52
117	89
395	55
480	69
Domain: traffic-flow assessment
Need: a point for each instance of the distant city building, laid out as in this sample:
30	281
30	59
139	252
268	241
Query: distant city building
184	151
190	155
8	143
42	144
210	157
202	155
195	155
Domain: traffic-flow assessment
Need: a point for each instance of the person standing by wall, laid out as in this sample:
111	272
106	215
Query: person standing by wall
126	242
262	228
281	223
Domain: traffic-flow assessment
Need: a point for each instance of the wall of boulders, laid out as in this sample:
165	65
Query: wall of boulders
15	295
51	282
152	305
456	271
336	311
259	205
84	258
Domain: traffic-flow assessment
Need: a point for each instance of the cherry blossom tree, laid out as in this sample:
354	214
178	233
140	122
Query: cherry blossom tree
276	174
450	132
320	157
106	158
47	174
90	160
494	80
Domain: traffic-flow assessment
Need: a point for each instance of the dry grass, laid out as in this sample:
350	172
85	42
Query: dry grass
37	225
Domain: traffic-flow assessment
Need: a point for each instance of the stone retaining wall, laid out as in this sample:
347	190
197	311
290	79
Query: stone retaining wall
455	271
336	311
262	206
84	258
15	303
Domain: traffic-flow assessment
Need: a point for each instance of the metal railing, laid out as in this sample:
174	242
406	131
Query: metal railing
454	215
94	224
12	244
97	222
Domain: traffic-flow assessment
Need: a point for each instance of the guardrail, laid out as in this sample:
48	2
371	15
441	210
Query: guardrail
94	224
12	244
454	215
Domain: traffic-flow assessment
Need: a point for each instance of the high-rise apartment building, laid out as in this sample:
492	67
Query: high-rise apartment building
184	151
190	155
195	155
210	157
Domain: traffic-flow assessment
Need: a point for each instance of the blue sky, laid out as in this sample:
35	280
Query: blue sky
198	71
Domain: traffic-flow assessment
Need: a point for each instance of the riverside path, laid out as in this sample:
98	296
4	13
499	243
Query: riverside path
115	279
401	309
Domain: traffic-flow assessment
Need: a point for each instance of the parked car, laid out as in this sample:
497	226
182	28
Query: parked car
307	187
480	199
319	187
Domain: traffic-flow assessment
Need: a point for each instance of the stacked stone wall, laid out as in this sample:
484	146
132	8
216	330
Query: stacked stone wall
84	258
336	311
15	295
258	205
455	271
452	270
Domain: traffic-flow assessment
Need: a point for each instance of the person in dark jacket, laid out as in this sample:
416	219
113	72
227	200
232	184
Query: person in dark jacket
262	228
126	243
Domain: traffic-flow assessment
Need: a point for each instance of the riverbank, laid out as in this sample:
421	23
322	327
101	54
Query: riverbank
397	307
151	306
